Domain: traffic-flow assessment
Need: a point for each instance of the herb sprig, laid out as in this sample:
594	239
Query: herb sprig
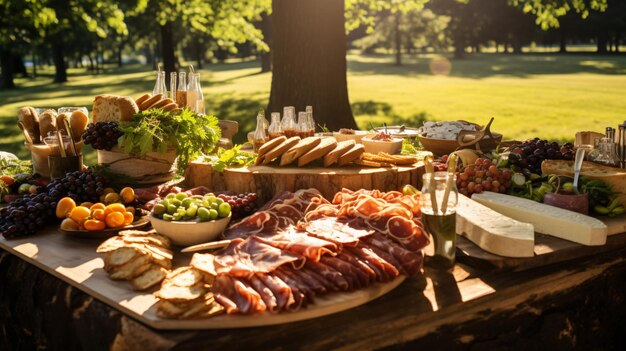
155	130
234	157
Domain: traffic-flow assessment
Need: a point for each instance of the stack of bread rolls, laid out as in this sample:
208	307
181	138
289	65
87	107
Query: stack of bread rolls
38	126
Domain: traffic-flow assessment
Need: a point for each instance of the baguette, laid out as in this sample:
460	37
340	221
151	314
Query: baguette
149	102
341	148
325	146
78	123
47	123
142	98
305	145
280	149
351	155
268	146
30	120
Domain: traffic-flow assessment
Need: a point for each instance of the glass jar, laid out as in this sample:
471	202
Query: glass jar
159	85
195	98
438	207
181	90
303	125
606	153
289	121
310	120
260	137
275	129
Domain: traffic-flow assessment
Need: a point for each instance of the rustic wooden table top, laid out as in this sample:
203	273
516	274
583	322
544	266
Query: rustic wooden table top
575	304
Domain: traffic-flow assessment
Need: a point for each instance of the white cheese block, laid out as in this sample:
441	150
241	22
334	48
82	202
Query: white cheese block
547	219
493	232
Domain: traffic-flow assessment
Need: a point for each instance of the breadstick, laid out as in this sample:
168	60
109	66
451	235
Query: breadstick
144	105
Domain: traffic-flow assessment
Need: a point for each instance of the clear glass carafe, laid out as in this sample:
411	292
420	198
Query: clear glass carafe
195	98
606	153
275	129
260	137
289	121
159	85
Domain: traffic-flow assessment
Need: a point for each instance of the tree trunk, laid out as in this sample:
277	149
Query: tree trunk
562	42
167	50
6	63
199	51
18	65
398	41
517	46
459	45
34	57
266	29
601	44
309	60
618	40
60	70
119	54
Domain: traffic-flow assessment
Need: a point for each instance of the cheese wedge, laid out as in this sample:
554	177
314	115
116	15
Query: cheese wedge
547	219
493	232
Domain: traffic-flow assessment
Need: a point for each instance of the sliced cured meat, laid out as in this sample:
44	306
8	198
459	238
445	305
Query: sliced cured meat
284	222
229	305
277	199
243	258
282	291
359	264
385	270
265	292
358	278
307	195
388	258
315	203
410	261
308	279
282	210
340	233
300	243
407	233
240	293
321	211
325	282
294	281
330	274
392	210
258	222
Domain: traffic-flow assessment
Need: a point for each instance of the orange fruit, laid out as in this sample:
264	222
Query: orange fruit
108	191
98	214
127	194
94	224
79	214
97	206
114	219
65	206
117	207
130	209
69	224
87	204
128	218
8	180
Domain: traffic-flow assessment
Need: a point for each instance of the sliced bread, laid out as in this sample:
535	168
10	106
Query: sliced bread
268	146
324	147
351	155
280	149
341	148
113	108
305	145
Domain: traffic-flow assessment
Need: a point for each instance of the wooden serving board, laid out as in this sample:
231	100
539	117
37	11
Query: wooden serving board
268	181
75	261
548	250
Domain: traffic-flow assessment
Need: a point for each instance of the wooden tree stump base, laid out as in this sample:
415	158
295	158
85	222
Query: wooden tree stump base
268	181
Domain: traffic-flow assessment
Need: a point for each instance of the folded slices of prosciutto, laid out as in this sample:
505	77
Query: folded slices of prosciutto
298	242
330	229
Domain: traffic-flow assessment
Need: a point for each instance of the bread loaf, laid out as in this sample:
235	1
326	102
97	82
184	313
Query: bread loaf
616	177
333	156
305	145
78	122
268	146
351	155
113	108
325	146
60	118
280	149
29	118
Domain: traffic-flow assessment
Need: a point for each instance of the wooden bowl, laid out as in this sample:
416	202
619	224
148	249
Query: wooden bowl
441	147
186	233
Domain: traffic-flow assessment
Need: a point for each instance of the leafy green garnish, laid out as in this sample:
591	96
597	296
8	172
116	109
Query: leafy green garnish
155	130
13	167
410	146
231	158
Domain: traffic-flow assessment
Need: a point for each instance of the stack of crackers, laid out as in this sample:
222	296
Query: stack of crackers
141	257
383	159
186	293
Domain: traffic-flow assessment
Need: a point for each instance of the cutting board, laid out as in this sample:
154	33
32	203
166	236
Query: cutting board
267	181
75	261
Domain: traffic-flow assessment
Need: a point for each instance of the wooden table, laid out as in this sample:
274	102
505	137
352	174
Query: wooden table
574	304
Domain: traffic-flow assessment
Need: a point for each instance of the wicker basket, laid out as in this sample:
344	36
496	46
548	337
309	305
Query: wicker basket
153	167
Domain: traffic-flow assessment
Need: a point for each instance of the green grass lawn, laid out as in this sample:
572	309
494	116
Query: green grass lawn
546	95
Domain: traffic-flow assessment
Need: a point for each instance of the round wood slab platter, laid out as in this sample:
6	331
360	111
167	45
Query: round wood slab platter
107	233
268	181
324	305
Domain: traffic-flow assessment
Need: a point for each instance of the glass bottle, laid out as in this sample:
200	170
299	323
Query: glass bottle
195	98
159	86
439	220
289	121
181	91
303	125
275	129
173	76
311	121
606	153
260	137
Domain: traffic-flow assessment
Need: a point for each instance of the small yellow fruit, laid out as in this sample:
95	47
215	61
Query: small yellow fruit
111	198
79	214
127	194
65	206
87	204
108	191
69	224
